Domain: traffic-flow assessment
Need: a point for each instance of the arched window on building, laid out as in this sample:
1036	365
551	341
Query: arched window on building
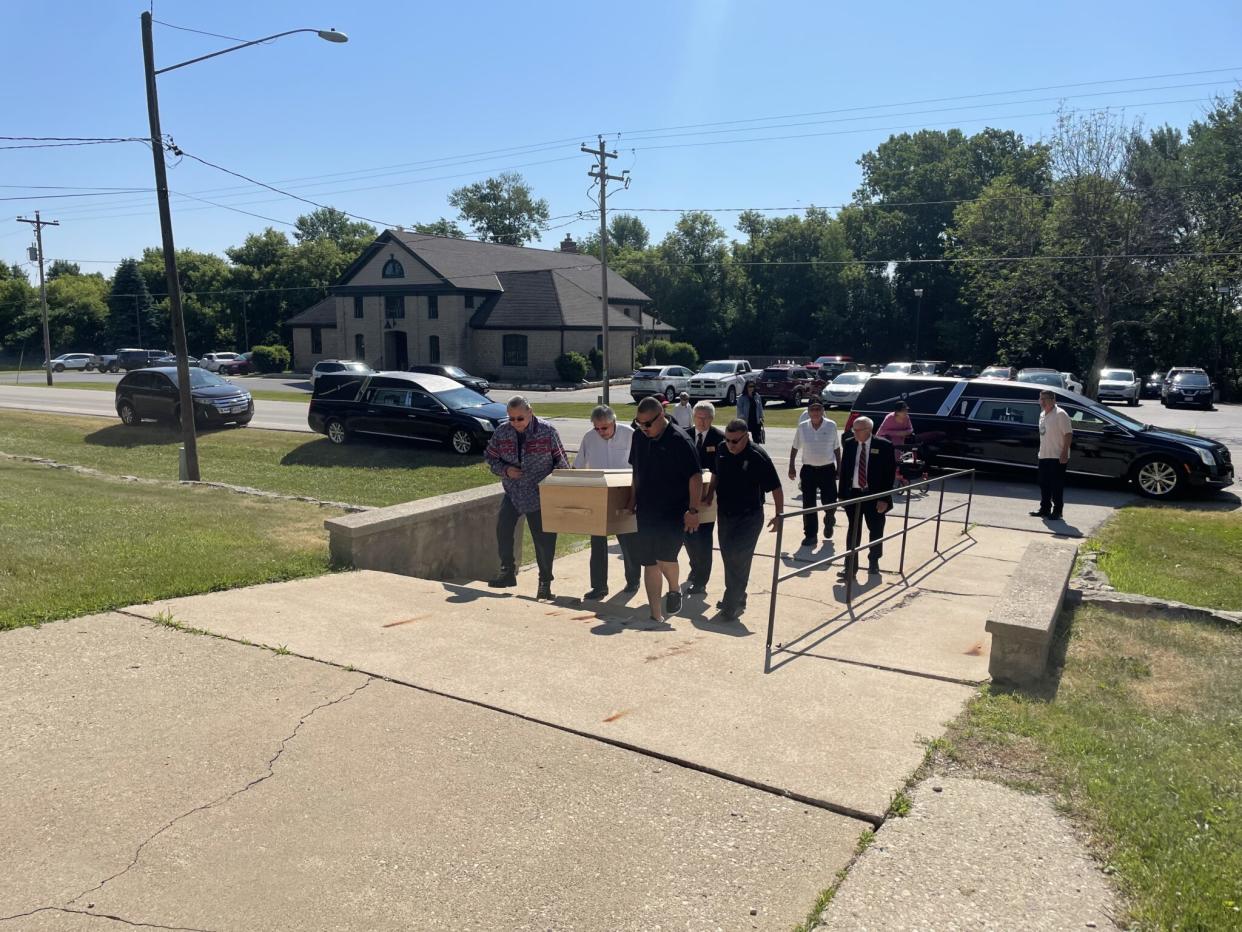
392	269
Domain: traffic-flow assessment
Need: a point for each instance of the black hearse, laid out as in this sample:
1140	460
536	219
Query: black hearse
406	405
989	423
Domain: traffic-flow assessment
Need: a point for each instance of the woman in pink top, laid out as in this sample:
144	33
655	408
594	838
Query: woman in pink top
898	430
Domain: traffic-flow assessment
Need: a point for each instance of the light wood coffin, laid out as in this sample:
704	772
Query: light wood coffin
587	501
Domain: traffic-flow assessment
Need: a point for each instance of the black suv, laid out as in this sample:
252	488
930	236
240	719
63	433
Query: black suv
130	359
990	423
152	393
406	405
456	373
1188	387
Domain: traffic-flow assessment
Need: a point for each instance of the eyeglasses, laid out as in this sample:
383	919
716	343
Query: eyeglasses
517	420
734	441
603	428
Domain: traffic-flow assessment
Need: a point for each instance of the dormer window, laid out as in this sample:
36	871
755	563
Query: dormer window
392	269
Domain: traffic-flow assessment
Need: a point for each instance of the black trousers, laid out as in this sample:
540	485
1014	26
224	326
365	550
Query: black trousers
738	536
699	547
545	542
875	528
1051	486
599	561
818	485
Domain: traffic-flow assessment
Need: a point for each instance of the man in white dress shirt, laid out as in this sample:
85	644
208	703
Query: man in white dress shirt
818	439
683	414
607	446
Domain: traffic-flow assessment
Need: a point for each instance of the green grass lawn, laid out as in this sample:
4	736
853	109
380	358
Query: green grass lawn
74	544
1143	743
258	394
362	472
1170	552
773	417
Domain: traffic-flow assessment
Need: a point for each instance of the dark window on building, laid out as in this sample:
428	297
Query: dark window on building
599	342
433	349
394	306
469	301
358	307
433	307
360	348
392	268
316	340
514	345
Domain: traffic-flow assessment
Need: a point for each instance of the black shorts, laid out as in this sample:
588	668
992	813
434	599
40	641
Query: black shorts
658	542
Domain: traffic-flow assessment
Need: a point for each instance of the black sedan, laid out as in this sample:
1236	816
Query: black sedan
152	393
406	405
1152	385
455	373
988	424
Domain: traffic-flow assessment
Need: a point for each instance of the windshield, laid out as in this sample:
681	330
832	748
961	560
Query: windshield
718	367
851	378
454	371
897	367
458	398
1117	375
830	360
1191	378
1041	378
201	378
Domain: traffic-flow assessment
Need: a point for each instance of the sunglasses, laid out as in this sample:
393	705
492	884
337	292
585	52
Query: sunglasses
734	441
517	420
646	425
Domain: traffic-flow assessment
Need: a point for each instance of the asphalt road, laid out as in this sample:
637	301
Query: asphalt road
998	500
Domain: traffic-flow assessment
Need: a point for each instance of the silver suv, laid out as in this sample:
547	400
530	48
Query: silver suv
327	366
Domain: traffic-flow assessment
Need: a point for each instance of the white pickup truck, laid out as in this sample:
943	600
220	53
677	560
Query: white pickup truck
721	380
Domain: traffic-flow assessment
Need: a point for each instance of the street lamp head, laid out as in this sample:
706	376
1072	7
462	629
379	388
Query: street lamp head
918	292
332	35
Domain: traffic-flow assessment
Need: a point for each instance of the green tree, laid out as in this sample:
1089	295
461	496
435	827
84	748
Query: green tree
77	312
328	223
625	232
129	310
205	302
18	310
257	279
691	287
502	209
441	227
61	267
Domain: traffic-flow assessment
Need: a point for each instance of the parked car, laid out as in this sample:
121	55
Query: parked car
930	367
333	366
170	359
721	380
1046	377
668	381
842	391
1119	385
962	370
1152	384
987	424
239	366
105	363
130	359
152	393
898	368
829	367
406	405
456	373
1171	374
790	384
1006	373
1188	387
213	362
1072	382
80	361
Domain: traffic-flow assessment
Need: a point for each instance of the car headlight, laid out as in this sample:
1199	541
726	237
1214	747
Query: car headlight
1206	456
486	424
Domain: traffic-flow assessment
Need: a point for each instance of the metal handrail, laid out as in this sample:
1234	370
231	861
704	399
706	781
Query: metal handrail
856	504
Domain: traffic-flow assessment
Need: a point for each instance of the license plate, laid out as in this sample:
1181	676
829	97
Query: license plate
237	410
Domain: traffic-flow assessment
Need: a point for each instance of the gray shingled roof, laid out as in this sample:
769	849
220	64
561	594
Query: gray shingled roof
546	298
322	314
468	263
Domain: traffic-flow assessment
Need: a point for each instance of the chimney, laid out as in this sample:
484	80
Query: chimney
568	244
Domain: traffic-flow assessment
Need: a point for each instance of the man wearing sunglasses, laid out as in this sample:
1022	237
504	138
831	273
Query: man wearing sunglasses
607	446
666	488
741	477
523	451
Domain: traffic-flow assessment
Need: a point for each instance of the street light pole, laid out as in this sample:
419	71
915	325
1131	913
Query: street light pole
186	398
918	322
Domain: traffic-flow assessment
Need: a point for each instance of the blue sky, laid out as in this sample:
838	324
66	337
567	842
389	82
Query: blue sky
425	97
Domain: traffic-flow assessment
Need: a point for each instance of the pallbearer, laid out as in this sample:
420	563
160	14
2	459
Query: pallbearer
607	446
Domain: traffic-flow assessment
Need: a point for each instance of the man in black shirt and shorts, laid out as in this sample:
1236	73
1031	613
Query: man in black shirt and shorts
664	494
743	473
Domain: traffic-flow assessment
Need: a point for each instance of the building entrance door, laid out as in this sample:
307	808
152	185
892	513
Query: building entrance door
396	354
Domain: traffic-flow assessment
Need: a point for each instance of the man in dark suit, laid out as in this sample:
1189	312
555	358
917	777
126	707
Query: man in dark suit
868	466
699	544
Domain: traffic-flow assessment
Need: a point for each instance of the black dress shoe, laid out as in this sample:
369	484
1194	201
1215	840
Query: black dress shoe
1040	514
809	542
672	602
1055	516
873	569
544	592
506	580
630	587
597	593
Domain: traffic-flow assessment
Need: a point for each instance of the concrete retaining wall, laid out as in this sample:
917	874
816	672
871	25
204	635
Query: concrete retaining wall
449	537
1024	618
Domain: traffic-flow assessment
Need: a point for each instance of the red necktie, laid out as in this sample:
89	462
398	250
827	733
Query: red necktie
862	466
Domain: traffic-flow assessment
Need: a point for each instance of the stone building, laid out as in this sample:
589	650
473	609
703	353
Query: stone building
503	312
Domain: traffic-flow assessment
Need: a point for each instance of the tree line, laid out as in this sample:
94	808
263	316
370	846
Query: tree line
1105	244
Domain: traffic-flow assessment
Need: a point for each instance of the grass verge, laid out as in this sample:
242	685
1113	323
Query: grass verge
773	417
75	545
361	472
1142	742
1169	552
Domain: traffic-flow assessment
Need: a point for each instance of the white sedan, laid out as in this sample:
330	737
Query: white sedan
211	361
843	390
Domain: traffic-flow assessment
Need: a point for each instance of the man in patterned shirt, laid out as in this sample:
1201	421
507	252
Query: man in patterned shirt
523	451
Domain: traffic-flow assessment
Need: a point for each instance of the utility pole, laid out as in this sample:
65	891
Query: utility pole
600	173
39	223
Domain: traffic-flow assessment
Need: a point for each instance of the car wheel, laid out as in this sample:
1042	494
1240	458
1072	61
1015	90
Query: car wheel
113	369
731	396
462	441
1157	478
128	415
1132	402
335	429
59	367
670	393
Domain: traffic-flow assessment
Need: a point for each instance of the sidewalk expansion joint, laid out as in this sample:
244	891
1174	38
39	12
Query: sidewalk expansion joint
827	805
268	773
137	924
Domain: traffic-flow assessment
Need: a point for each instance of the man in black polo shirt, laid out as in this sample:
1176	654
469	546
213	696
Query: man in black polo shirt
666	482
742	474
